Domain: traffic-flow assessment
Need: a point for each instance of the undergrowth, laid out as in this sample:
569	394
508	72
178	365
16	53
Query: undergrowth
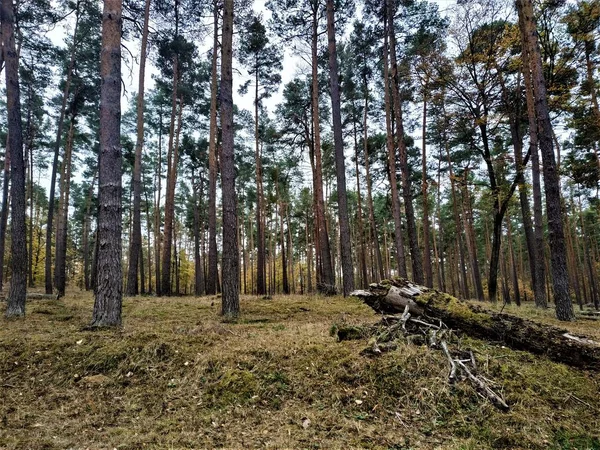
176	376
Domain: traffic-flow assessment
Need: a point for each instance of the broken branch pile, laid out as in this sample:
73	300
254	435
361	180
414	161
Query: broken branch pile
422	331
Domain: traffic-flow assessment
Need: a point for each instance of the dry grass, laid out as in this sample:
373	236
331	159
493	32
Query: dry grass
177	377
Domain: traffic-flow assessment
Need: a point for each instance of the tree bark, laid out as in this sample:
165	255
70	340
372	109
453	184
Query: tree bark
364	278
340	166
5	206
560	276
86	236
60	260
411	227
230	306
171	179
427	266
157	215
135	249
199	283
18	284
372	223
398	241
57	142
109	286
539	279
212	279
326	280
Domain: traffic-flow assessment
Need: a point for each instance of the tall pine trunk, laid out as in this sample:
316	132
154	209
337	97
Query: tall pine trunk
326	284
539	279
157	215
86	235
212	279
18	285
135	249
57	142
5	206
230	306
109	285
427	266
411	227
340	166
170	193
199	283
60	260
558	257
398	241
364	278
372	223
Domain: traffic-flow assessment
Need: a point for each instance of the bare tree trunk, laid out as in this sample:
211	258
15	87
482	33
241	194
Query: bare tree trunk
5	206
86	235
109	287
340	166
289	249
212	280
427	266
230	306
18	284
60	260
372	223
199	285
309	285
149	245
29	192
57	142
513	264
411	227
157	215
135	249
326	281
171	180
470	237
260	207
398	241
560	278
362	257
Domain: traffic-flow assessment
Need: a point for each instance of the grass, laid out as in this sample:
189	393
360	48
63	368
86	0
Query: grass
176	376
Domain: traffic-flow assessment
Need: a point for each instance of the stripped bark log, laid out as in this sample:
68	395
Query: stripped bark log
392	296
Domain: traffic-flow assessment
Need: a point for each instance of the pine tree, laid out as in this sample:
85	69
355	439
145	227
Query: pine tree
109	285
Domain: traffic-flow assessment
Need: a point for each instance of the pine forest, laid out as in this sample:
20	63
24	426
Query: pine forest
185	179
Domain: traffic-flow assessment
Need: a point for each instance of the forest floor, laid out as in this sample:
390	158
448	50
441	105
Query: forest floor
175	376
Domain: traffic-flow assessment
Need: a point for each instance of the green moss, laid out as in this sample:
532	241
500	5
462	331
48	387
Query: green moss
454	307
232	387
565	440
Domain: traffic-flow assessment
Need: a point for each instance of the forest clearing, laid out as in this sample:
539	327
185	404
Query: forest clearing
177	376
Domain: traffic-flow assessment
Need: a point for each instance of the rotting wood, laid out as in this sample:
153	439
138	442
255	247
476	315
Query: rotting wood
392	296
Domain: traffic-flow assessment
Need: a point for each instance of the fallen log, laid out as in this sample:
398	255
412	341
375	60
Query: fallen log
393	296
